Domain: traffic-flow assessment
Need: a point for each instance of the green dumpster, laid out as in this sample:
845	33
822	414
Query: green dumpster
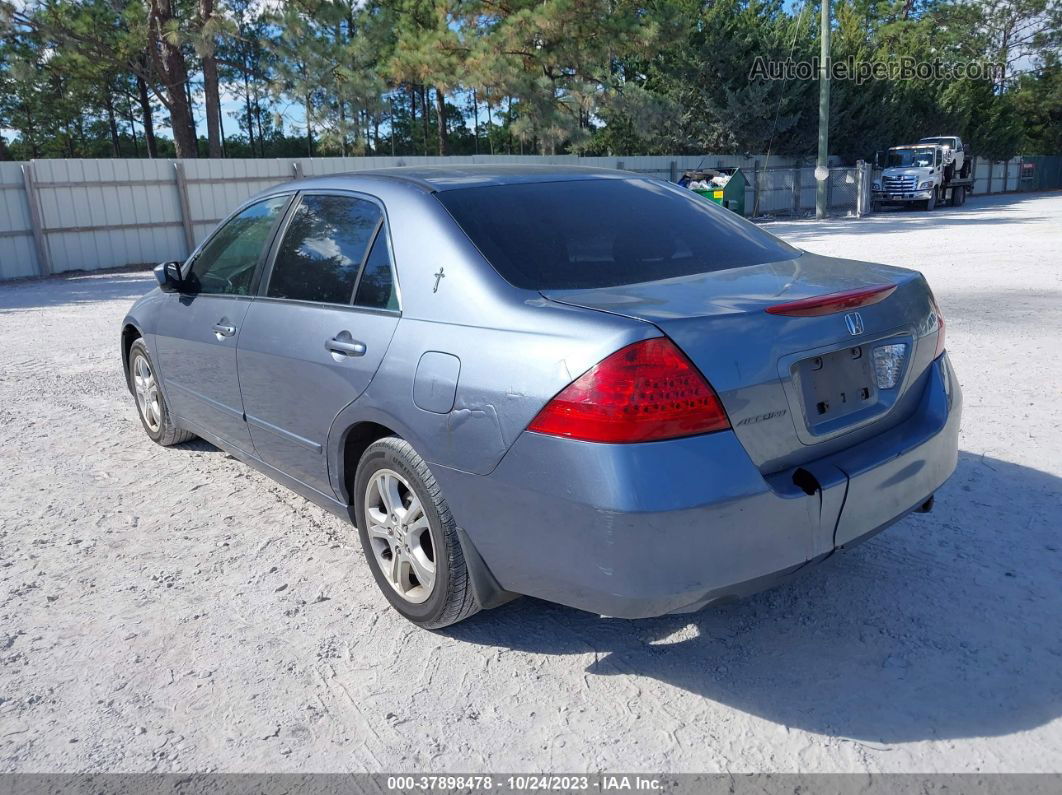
730	195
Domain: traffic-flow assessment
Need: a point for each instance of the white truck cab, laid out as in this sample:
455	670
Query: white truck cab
935	169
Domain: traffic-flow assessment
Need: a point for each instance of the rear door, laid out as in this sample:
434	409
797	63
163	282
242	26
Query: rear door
316	334
198	329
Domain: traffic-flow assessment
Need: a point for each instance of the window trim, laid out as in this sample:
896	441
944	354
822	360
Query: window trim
382	227
263	255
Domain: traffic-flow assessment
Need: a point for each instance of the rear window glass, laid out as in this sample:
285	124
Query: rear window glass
602	233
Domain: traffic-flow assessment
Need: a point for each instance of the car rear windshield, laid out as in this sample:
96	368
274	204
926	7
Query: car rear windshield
605	232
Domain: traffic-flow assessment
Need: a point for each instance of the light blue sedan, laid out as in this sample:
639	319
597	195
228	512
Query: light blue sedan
588	386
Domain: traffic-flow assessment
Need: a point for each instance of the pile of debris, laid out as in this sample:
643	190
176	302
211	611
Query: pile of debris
704	179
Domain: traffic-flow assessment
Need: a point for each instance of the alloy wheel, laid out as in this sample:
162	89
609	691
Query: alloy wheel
400	536
147	393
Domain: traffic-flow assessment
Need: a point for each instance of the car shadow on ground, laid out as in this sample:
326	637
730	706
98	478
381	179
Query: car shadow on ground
197	445
78	288
945	626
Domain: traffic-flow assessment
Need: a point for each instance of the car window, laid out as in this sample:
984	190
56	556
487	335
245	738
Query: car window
323	249
226	264
376	288
605	232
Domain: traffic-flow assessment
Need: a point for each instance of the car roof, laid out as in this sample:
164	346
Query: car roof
441	178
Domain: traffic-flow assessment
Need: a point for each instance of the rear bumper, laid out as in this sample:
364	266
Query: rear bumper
640	530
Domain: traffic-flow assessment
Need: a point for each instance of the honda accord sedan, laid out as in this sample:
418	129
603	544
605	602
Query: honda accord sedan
589	386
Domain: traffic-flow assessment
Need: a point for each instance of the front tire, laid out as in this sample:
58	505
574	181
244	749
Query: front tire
409	536
931	202
150	403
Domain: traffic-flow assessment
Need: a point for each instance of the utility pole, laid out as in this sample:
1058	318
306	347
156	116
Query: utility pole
822	167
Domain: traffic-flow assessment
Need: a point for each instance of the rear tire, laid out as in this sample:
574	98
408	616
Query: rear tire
958	196
409	536
150	402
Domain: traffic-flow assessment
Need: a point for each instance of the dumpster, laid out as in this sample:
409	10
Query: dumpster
724	186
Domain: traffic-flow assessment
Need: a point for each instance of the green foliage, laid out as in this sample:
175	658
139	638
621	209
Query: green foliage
87	78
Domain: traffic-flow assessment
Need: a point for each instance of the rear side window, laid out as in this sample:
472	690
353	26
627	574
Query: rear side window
605	232
323	249
376	288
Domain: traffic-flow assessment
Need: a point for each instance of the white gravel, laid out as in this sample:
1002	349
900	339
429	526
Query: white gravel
173	610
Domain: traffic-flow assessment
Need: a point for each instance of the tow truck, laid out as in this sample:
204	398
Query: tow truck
935	170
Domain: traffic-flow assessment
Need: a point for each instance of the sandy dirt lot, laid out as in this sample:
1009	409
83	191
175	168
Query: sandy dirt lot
173	610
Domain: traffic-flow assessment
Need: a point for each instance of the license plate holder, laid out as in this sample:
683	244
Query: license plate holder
836	384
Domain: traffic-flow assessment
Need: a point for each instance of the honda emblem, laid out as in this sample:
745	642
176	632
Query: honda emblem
854	323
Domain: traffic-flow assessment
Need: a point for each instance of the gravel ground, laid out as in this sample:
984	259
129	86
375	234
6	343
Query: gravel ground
173	610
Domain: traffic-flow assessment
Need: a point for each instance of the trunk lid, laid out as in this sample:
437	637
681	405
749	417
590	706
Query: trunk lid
795	388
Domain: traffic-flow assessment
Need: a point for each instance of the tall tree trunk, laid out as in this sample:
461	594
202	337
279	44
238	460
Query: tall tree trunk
343	128
184	142
191	115
171	67
425	117
212	93
490	122
1004	54
146	118
221	131
132	124
247	103
475	121
258	122
440	115
309	129
511	126
116	145
412	118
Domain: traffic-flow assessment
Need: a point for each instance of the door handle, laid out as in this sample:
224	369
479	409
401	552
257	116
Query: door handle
346	346
223	330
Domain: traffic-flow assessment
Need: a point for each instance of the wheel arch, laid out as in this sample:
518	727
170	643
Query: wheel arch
355	439
345	454
130	334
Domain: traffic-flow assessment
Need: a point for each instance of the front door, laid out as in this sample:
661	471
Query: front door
315	337
198	328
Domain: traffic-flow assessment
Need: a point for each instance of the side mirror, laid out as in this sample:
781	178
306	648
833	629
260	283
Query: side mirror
168	275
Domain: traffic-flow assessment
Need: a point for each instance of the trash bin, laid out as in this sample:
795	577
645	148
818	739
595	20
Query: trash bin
724	186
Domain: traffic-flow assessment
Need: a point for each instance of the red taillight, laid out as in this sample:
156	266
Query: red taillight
834	302
940	328
645	392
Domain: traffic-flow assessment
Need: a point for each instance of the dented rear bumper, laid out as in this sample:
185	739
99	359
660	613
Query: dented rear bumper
646	529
